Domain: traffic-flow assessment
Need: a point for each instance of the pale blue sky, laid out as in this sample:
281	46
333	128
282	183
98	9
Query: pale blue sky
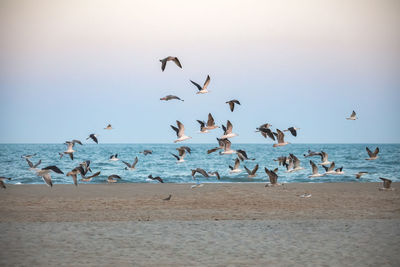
67	68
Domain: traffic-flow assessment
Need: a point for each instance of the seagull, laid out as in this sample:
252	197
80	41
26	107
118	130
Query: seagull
292	130
45	174
131	166
93	137
164	62
2	178
290	165
315	171
339	171
28	156
252	173
372	155
70	145
235	168
111	178
31	165
273	177
305	195
330	169
266	131
216	174
146	152
202	126
210	123
114	157
202	90
296	163
168	198
228	130
188	150
353	116
227	147
386	184
109	127
180	132
282	160
221	143
170	97
201	171
359	174
157	178
324	158
232	104
312	153
181	156
89	178
242	155
61	154
80	170
280	136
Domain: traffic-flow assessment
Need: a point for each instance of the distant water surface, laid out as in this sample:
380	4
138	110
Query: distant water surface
162	163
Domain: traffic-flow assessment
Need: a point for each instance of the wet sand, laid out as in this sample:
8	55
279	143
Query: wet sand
217	224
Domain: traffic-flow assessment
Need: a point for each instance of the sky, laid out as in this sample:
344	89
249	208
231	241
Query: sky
68	68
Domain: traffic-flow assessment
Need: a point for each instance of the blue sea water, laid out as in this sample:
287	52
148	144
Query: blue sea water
162	163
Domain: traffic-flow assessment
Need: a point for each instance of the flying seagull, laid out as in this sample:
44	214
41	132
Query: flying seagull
45	174
324	158
315	171
180	132
131	166
202	90
339	171
386	184
330	169
221	143
227	147
312	154
353	116
280	136
242	155
108	127
266	131
296	163
188	150
146	152
292	130
170	97
282	160
165	60
28	156
201	171
114	157
202	126
80	170
372	155
235	168
232	104
70	145
228	130
359	174
31	165
273	177
157	178
2	178
216	174
251	173
211	123
89	178
111	178
93	137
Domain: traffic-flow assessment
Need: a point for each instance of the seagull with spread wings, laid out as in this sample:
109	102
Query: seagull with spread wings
202	90
180	132
165	60
372	155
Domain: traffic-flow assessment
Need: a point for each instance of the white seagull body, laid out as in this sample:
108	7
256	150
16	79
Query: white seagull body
180	132
228	131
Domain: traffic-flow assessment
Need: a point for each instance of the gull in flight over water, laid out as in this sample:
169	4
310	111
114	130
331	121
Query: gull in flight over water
353	116
273	177
146	152
70	150
201	171
232	104
235	168
2	178
108	127
211	123
324	158
221	143
315	171
330	169
227	147
82	171
386	184
170	97
372	155
45	174
242	155
216	174
132	166
359	174
165	60
114	157
252	173
28	156
228	130
203	90
112	178
339	171
31	165
280	136
180	132
292	130
93	137
202	126
266	131
294	164
157	178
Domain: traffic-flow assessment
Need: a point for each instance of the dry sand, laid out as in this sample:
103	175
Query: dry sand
217	224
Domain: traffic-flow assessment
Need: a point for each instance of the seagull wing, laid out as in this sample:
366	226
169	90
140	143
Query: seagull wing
207	82
210	121
29	162
47	178
370	154
254	170
176	60
181	127
135	162
202	172
231	105
163	64
54	169
314	167
196	84
127	164
229	127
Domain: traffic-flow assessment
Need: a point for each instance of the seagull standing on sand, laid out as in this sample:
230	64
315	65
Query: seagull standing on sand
251	173
2	184
70	150
45	174
315	171
203	90
228	130
170	97
280	136
132	166
235	168
165	60
353	116
232	104
292	130
372	155
93	137
157	178
386	184
180	132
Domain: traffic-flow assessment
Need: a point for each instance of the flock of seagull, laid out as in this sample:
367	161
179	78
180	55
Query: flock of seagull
291	162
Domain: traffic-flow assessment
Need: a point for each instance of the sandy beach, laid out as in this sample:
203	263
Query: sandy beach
217	224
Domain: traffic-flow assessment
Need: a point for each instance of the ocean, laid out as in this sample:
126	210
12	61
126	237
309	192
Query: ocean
162	163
